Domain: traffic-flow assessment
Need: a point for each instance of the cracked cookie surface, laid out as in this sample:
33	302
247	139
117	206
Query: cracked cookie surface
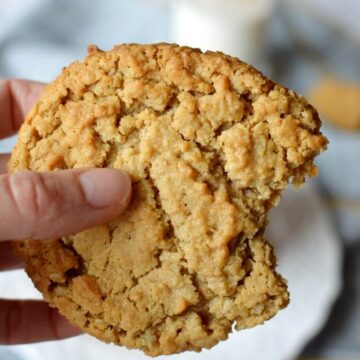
209	143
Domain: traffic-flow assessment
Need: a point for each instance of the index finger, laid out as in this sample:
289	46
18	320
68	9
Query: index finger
16	99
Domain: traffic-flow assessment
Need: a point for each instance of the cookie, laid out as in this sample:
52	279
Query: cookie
209	143
338	101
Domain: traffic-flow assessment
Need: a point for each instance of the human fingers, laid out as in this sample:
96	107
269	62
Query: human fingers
29	321
9	260
4	159
48	205
16	99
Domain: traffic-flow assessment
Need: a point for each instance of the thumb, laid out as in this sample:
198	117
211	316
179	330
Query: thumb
47	205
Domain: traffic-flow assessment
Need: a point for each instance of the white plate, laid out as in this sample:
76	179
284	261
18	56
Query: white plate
309	257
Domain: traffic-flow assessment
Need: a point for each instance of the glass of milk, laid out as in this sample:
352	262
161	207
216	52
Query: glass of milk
235	27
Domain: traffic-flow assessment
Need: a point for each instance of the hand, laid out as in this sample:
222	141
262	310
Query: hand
69	200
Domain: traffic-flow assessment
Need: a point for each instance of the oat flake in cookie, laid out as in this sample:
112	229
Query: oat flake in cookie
209	143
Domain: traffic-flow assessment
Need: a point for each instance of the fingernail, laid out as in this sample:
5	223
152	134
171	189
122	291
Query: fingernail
105	187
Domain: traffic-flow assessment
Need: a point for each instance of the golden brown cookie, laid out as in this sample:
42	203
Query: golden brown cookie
209	143
338	101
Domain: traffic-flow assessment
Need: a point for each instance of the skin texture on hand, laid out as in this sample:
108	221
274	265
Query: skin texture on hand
76	199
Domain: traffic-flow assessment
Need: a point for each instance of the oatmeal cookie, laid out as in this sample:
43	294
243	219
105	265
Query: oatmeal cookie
338	101
209	143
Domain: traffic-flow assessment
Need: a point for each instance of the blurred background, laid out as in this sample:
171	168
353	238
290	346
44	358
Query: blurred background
311	46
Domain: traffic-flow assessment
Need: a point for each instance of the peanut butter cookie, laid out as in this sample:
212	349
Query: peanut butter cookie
209	143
